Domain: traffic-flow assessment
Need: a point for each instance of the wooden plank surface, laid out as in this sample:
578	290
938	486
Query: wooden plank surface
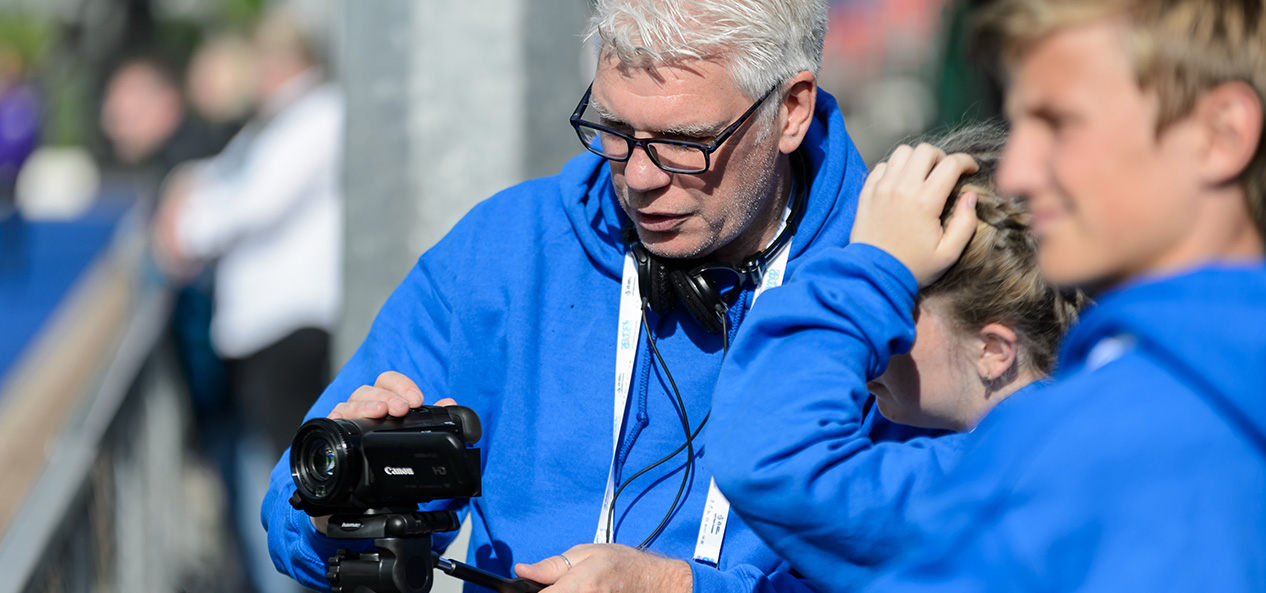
48	385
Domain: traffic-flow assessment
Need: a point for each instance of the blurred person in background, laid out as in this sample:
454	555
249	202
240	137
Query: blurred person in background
220	84
20	125
268	212
147	121
151	130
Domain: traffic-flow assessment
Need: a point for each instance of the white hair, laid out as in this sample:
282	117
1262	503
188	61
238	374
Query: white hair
761	42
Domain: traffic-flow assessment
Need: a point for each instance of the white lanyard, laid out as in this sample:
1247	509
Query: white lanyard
716	510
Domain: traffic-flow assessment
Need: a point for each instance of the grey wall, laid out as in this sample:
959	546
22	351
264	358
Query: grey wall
449	101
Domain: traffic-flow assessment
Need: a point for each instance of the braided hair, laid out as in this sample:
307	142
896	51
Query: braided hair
997	279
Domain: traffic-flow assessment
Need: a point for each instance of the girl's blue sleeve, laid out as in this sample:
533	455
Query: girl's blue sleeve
787	444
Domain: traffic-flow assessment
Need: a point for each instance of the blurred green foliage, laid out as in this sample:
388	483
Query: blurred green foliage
28	36
70	81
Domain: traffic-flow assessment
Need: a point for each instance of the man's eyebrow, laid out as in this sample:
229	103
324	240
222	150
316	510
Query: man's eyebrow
696	130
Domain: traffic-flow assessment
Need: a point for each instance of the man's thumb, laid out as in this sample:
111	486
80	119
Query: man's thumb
546	572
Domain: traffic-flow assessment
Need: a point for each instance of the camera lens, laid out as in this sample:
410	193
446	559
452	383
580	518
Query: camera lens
321	458
324	460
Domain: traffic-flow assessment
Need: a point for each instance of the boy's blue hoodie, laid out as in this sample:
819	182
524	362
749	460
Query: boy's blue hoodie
825	481
514	313
1143	468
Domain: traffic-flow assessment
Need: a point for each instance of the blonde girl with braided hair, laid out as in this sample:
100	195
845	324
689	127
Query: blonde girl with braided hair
847	394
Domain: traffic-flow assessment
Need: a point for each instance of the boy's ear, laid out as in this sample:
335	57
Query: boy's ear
1230	116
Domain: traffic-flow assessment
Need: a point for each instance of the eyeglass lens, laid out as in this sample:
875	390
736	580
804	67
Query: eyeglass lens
664	154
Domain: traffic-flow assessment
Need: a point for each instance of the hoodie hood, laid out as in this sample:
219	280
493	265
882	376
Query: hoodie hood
1207	326
834	165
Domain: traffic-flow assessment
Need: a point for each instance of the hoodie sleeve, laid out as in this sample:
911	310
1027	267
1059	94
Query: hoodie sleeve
410	336
788	446
746	579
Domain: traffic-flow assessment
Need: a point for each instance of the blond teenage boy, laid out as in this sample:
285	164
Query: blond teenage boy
1137	143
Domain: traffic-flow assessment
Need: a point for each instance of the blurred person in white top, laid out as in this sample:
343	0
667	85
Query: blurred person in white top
267	212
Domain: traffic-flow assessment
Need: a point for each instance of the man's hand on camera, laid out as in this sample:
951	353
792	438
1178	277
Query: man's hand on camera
393	393
608	567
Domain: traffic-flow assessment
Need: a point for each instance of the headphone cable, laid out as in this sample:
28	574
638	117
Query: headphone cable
688	445
690	437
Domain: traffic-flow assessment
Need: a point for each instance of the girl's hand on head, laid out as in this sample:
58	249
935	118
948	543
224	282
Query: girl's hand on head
899	210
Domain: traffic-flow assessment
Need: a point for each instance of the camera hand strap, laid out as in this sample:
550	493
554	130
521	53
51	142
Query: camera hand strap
716	509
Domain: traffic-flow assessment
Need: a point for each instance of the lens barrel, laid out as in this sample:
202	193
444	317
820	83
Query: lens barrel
321	461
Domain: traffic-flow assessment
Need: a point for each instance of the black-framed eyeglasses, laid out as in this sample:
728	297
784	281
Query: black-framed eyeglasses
674	156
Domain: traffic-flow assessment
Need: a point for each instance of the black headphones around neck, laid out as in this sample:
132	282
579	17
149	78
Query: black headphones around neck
663	281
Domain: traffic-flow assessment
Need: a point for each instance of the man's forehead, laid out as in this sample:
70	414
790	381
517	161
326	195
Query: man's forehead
683	100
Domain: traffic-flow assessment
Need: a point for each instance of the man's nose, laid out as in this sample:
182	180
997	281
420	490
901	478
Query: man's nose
641	174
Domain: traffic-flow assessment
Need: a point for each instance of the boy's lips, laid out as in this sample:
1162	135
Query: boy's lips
1041	219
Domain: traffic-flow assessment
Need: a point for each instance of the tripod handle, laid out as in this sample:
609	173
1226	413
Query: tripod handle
484	578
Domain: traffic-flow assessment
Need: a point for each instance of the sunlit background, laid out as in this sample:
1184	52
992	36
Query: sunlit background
123	468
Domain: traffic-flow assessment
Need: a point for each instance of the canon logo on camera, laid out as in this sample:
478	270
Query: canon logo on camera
397	471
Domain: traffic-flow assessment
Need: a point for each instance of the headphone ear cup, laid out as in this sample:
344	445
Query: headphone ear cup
653	281
701	298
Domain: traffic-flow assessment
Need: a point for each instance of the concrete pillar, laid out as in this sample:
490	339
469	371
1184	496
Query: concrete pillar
449	101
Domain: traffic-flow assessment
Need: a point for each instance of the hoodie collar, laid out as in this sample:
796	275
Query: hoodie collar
1206	326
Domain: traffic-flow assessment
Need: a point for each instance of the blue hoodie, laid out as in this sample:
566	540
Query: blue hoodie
1143	468
821	477
514	313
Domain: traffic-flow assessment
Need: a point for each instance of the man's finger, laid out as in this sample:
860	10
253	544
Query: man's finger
365	409
368	394
401	385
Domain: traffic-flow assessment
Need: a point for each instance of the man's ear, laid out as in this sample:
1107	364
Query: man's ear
999	354
796	112
1230	117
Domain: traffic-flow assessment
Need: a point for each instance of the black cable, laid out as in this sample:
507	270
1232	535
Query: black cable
690	437
611	511
688	445
685	425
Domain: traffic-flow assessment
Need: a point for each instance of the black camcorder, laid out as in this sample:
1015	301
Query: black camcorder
351	466
370	476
